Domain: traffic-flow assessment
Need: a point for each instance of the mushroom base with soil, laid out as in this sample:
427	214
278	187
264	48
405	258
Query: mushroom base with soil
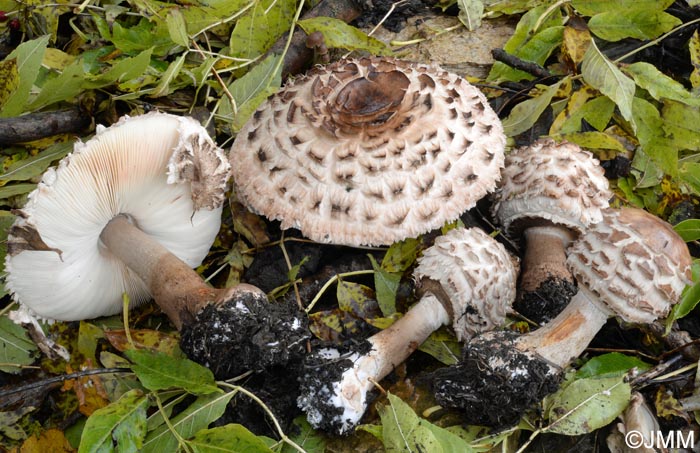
231	330
247	333
495	382
547	300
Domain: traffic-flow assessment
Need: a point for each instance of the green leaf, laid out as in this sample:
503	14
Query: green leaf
689	229
634	23
403	430
689	173
260	26
603	75
530	44
177	28
682	123
386	285
15	346
647	173
306	437
251	90
694	48
689	298
659	85
64	87
535	50
15	189
124	70
229	438
592	7
143	36
164	87
6	221
198	415
123	421
593	140
338	34
525	114
443	347
652	137
356	299
28	55
611	364
401	255
587	404
470	12
34	166
597	112
158	371
9	80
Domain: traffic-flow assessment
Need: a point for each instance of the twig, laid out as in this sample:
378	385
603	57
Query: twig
34	126
62	378
518	63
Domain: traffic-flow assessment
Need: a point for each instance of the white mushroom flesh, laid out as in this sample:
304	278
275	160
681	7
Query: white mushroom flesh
56	265
369	151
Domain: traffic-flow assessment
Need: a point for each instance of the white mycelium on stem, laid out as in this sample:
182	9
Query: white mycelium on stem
468	281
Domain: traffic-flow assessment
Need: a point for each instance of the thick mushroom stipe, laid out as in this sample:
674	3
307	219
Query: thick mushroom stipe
244	331
160	170
468	281
631	264
369	151
550	192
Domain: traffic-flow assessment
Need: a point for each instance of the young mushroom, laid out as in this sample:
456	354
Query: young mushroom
549	193
468	281
132	211
369	151
631	265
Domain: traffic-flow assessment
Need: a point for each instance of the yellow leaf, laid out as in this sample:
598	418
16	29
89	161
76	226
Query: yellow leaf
575	44
694	46
9	79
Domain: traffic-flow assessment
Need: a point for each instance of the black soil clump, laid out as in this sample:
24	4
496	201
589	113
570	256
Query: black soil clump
320	372
547	301
495	383
248	334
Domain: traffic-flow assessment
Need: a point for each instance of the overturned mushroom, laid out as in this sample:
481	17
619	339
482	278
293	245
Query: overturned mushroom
369	151
468	280
550	192
132	210
631	264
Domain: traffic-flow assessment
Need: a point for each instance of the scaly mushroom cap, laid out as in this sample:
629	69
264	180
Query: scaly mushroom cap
558	182
162	171
369	151
475	279
635	262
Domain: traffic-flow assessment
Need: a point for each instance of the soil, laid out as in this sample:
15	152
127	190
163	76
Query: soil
244	335
547	301
494	383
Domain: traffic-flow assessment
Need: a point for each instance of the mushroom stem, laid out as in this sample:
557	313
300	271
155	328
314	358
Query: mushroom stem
178	290
390	347
336	399
545	256
567	335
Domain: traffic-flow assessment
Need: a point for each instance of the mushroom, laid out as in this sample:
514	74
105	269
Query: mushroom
369	151
549	193
132	211
631	264
468	280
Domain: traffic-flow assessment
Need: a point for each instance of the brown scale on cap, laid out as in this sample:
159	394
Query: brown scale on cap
369	151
